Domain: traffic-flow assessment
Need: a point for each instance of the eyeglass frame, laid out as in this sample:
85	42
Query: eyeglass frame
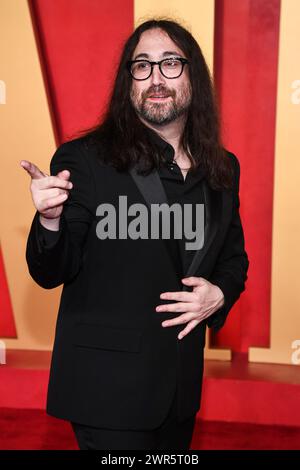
152	63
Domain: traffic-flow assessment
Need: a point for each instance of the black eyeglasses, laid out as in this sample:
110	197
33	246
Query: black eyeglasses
141	69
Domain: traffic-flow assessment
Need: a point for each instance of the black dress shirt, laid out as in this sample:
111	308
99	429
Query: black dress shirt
178	189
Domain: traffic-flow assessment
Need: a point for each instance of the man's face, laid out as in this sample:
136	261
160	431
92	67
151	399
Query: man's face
153	46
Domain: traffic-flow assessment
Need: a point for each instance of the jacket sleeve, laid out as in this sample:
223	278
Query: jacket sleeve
230	271
57	259
49	236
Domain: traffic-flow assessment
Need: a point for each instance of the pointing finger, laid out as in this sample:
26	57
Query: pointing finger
32	169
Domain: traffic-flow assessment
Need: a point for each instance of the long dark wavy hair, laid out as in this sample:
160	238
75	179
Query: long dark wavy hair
124	133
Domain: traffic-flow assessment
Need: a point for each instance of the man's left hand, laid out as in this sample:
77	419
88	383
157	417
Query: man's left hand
197	305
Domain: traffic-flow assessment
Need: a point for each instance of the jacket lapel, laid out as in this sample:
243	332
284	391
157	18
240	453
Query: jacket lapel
150	186
213	212
153	192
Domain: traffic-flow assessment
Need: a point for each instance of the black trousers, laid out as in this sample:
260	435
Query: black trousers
170	435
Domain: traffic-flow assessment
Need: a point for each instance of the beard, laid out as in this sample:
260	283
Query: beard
161	113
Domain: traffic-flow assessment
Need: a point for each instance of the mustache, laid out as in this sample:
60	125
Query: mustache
157	91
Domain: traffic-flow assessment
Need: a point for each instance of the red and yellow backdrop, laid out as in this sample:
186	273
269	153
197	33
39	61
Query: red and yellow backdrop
58	59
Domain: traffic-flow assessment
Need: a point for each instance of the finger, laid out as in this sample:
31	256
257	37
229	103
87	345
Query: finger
184	318
53	192
194	281
32	169
55	182
64	174
189	327
52	202
181	295
177	307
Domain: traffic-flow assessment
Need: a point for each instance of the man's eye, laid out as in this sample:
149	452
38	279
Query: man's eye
172	62
142	65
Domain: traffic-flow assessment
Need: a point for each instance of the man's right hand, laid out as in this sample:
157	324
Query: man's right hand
48	193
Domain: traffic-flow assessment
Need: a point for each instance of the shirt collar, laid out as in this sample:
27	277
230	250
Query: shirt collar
166	148
169	153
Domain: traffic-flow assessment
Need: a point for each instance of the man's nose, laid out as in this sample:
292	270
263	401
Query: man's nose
156	77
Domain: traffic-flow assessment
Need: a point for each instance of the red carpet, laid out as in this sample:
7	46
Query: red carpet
268	419
35	430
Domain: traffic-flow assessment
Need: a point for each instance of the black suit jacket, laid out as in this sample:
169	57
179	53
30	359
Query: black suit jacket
113	364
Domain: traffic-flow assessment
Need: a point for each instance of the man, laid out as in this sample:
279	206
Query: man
127	361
